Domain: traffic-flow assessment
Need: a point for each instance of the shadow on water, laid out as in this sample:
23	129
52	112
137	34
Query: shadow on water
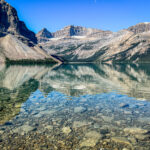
75	106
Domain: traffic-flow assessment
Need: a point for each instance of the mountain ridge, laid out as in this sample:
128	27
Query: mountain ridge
140	27
72	43
10	24
68	31
17	42
144	25
130	45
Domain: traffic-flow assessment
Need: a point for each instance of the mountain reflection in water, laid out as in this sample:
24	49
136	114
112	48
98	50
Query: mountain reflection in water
75	80
75	106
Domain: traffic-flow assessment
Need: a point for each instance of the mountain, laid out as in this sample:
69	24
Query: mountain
70	31
76	31
12	49
140	28
10	23
72	43
17	42
44	35
126	46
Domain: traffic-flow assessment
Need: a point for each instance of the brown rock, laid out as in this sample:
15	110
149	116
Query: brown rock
10	23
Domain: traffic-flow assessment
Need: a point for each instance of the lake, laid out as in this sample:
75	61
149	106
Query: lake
75	107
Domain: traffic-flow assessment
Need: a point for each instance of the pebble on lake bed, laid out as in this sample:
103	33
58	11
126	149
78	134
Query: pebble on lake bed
49	127
78	124
121	140
1	132
23	129
90	139
144	119
66	130
107	118
79	109
135	131
124	105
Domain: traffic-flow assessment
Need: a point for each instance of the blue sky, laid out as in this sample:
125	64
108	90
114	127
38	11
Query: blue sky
102	14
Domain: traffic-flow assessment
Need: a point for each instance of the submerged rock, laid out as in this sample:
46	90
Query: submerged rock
104	130
128	112
78	124
142	136
1	132
1	108
90	140
135	131
120	140
124	105
107	118
144	119
79	109
49	127
66	130
23	129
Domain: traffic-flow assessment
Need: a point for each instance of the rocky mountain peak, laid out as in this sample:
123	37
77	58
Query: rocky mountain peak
10	23
140	28
72	30
44	33
69	27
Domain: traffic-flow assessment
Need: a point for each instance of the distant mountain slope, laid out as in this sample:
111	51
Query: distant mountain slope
76	31
132	48
44	35
17	42
130	45
140	28
70	31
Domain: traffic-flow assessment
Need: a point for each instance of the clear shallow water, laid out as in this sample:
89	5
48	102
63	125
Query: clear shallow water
75	107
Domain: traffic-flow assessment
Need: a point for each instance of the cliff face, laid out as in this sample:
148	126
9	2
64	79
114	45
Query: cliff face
140	28
17	42
10	23
76	31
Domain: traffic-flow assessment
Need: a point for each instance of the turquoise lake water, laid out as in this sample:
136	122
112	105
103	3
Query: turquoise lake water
75	107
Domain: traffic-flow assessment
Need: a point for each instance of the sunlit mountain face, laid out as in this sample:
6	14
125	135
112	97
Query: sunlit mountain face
75	106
